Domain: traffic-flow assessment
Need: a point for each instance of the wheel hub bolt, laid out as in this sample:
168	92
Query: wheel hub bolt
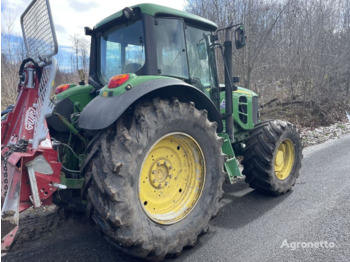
160	173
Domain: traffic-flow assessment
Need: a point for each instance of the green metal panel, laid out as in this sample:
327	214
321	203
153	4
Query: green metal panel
80	95
231	167
226	146
231	163
242	99
133	81
154	10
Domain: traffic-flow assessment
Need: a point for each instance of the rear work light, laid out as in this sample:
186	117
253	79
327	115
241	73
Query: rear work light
61	88
118	80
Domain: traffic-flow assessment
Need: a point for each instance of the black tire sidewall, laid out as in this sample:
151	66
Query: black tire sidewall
292	135
260	154
200	212
114	171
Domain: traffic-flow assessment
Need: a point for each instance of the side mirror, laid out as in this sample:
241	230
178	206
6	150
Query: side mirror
240	37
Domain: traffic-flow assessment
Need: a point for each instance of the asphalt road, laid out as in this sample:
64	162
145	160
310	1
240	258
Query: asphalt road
311	223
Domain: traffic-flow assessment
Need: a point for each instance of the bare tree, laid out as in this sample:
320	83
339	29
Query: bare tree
80	57
12	53
298	50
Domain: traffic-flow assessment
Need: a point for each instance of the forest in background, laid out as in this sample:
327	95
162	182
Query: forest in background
13	52
297	56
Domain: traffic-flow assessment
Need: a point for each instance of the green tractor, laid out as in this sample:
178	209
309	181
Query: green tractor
145	147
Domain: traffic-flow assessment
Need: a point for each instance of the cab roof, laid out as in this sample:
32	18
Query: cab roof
162	11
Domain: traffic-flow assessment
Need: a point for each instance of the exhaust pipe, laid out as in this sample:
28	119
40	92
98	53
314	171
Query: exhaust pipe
228	83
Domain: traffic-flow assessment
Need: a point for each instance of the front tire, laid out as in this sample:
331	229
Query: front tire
155	178
272	157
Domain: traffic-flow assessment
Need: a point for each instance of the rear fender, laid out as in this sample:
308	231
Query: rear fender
101	112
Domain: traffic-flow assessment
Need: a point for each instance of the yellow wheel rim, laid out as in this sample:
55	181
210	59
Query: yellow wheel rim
284	160
172	178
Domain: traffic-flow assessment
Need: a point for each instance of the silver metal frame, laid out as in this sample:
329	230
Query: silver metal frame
38	15
41	43
44	106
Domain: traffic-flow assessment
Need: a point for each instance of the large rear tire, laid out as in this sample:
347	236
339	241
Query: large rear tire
272	157
155	178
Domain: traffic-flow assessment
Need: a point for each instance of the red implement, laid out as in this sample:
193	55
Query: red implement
28	175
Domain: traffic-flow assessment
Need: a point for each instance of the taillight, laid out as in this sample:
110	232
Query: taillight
118	80
61	88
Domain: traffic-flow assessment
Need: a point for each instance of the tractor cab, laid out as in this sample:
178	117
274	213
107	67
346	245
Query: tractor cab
152	40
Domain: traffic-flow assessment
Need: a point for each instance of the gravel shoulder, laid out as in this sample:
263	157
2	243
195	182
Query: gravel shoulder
314	136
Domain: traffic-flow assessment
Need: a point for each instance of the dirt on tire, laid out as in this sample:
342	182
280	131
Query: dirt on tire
260	154
113	178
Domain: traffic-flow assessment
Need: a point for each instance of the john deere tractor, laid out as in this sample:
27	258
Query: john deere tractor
146	145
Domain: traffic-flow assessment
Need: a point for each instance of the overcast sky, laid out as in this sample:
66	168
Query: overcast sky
71	16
